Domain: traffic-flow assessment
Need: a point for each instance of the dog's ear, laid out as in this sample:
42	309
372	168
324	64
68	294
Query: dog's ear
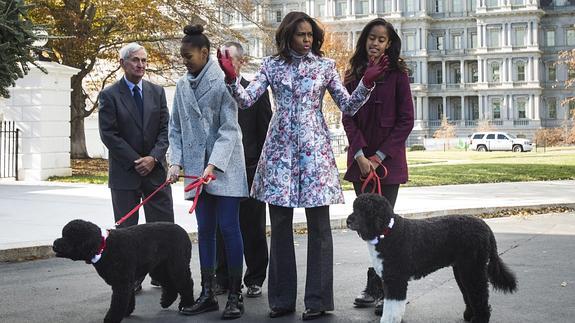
84	238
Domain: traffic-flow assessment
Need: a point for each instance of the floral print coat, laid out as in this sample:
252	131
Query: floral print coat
297	166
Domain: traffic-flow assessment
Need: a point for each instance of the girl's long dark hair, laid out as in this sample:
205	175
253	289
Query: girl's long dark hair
358	62
287	29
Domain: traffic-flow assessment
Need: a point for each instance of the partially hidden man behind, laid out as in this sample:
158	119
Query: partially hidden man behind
254	123
133	120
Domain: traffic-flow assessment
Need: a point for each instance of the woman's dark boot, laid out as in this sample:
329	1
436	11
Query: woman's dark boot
235	305
207	301
372	292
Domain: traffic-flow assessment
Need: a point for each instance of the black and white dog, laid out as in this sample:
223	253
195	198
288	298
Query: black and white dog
124	255
405	249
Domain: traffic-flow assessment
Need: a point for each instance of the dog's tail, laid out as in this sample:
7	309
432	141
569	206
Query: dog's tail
502	278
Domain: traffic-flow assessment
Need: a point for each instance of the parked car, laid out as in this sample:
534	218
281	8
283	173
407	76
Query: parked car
492	140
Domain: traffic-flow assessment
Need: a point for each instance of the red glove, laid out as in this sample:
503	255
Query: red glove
227	66
374	70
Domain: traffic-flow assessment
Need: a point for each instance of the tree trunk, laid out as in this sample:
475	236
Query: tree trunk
78	113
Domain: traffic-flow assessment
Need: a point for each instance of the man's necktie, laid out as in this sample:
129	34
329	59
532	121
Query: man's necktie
139	102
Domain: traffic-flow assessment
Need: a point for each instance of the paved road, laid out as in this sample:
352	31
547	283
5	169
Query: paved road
538	248
33	214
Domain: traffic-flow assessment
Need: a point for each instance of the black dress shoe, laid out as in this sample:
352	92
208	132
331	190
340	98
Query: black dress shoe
277	312
155	283
310	314
379	307
254	291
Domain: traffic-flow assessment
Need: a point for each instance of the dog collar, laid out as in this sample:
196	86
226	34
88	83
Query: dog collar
98	255
385	233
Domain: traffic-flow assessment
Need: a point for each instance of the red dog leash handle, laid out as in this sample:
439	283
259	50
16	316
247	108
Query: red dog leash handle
373	178
197	183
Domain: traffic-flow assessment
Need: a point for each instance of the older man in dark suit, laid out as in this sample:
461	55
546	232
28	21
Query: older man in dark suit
254	124
133	119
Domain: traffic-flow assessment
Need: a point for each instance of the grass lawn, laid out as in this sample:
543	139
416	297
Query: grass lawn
425	167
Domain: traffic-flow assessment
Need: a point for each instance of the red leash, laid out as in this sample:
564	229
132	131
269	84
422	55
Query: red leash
197	183
373	178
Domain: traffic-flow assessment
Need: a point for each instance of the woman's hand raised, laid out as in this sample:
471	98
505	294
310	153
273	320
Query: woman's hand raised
227	66
374	70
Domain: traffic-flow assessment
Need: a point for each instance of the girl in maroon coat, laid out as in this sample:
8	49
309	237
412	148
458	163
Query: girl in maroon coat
378	131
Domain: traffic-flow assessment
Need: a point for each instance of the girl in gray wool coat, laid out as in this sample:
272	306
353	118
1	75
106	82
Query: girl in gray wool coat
205	139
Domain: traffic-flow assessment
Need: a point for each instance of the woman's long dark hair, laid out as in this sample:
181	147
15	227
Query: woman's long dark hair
358	62
287	29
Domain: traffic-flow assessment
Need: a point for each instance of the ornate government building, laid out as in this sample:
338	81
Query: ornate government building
470	60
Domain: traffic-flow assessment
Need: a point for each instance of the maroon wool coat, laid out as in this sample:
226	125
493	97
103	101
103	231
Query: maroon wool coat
383	124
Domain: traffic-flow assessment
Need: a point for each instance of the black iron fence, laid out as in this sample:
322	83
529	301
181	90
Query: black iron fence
8	149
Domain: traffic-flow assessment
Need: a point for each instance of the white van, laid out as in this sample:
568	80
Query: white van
492	140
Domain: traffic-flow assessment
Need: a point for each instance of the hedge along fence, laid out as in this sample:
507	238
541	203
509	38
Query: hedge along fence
436	144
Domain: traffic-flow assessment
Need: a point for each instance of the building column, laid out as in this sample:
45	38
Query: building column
443	73
536	69
350	7
531	113
393	5
327	9
480	103
536	115
424	68
479	70
425	106
370	6
420	108
462	72
463	112
423	5
375	7
528	68
445	107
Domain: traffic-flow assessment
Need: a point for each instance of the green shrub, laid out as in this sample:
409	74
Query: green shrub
416	147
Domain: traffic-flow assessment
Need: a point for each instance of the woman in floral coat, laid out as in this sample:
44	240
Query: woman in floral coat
297	167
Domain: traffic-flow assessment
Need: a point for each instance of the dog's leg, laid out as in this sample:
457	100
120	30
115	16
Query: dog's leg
131	304
474	279
120	301
181	280
468	313
376	262
394	300
169	293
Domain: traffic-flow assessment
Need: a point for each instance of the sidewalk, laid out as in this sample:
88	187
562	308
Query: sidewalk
33	214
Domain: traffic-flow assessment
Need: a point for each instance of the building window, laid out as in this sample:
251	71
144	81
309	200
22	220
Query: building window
551	108
550	38
438	5
520	70
570	37
517	2
457	75
493	3
363	8
521	103
571	109
320	10
472	5
439	76
278	16
457	6
495	72
496	109
386	6
438	42
410	42
474	73
456	42
551	72
411	73
341	8
494	37
410	6
519	36
473	40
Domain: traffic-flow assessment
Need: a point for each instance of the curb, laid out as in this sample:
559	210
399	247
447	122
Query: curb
28	253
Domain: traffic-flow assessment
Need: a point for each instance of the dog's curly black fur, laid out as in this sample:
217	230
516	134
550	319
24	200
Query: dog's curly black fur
415	248
161	249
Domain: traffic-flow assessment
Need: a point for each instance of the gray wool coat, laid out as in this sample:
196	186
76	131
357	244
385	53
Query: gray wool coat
204	130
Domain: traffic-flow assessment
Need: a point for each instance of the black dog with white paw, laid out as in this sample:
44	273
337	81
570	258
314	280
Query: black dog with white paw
405	249
124	255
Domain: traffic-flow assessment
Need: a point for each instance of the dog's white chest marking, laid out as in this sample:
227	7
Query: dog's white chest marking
376	262
392	311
